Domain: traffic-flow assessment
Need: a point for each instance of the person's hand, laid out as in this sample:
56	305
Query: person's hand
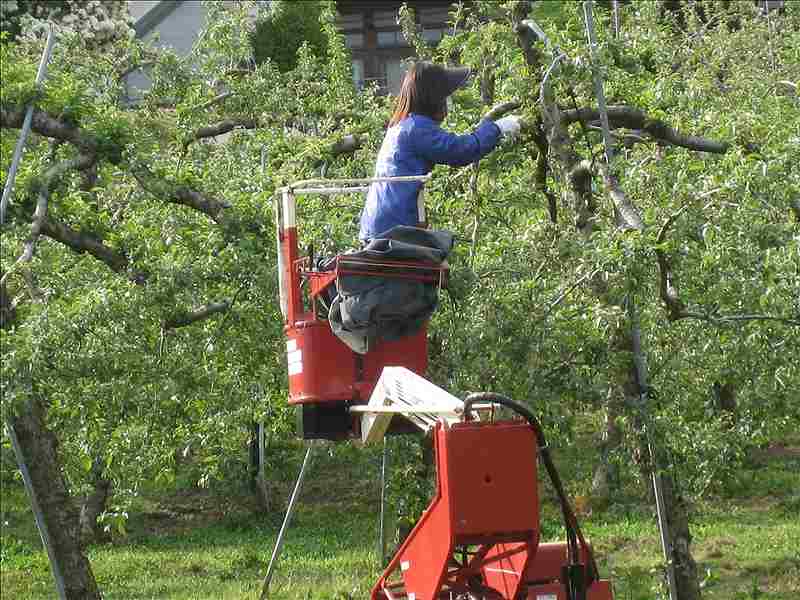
509	126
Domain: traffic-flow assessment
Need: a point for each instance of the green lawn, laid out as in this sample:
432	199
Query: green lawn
199	544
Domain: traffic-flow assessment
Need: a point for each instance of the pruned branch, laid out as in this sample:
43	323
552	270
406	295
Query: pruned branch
347	145
198	314
633	118
500	110
178	194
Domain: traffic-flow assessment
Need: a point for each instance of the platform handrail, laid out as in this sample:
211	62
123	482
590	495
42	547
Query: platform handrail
338	186
285	210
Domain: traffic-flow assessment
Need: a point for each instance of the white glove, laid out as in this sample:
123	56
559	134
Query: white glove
509	126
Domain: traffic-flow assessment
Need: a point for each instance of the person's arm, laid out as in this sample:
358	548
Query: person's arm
441	147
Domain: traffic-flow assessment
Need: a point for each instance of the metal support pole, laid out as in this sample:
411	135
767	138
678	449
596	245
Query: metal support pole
37	511
382	524
276	551
26	128
598	83
616	18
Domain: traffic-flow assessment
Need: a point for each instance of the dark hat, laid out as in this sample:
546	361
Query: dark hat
456	77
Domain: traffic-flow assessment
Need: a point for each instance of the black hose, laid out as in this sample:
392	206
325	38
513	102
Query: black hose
570	521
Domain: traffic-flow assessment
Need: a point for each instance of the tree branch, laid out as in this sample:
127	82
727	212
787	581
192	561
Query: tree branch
578	171
11	117
795	206
676	309
542	170
7	311
198	314
45	186
178	194
212	102
527	38
500	110
219	128
627	216
84	243
633	118
556	138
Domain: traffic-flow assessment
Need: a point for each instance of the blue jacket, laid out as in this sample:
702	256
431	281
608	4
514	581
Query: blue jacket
412	147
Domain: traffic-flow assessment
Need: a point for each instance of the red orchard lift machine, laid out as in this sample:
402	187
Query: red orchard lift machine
480	537
326	377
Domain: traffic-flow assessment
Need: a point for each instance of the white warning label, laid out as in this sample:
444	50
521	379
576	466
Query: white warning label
295	360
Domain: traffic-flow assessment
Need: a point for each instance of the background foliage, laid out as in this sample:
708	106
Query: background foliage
175	405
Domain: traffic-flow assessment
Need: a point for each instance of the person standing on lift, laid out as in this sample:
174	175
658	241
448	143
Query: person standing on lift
415	142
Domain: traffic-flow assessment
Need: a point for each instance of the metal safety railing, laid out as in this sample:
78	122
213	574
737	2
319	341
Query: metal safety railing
285	207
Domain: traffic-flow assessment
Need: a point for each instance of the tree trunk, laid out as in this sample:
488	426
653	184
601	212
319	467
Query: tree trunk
7	312
258	481
94	505
605	481
677	512
38	446
725	398
676	509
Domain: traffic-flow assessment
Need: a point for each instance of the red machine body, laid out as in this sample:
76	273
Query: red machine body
480	534
325	375
322	369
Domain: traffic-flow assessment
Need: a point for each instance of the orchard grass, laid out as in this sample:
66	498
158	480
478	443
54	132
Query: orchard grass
203	544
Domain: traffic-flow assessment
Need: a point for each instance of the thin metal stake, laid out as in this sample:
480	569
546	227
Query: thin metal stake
261	477
37	511
26	128
288	517
382	525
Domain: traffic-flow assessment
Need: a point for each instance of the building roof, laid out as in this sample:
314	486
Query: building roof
150	13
